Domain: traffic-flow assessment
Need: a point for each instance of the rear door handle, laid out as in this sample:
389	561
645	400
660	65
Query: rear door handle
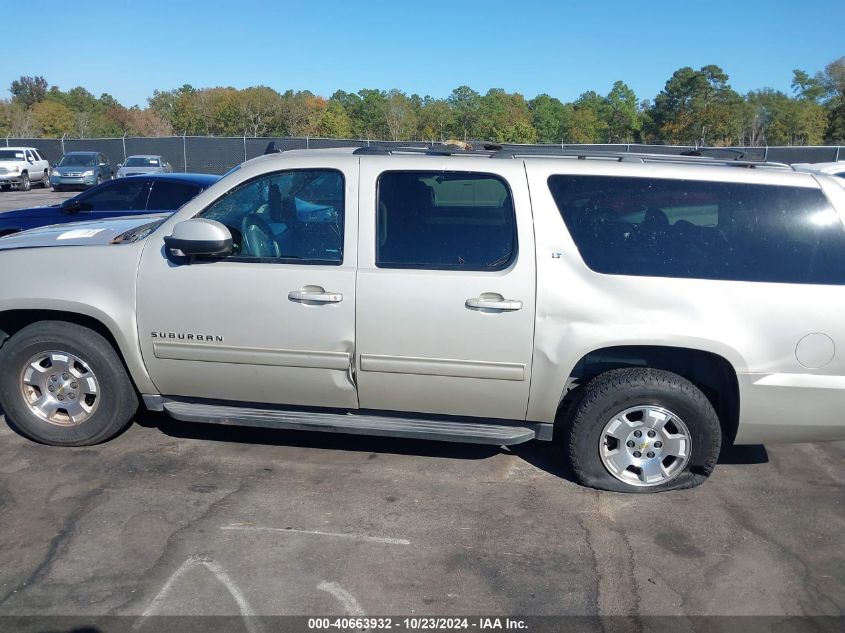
308	295
499	304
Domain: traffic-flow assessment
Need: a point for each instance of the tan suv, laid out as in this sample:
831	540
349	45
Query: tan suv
645	309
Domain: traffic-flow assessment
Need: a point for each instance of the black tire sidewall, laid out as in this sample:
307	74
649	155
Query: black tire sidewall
117	403
594	413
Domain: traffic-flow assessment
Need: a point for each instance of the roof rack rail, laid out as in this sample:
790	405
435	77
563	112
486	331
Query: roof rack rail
695	157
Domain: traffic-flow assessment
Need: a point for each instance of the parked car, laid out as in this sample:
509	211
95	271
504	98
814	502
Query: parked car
81	170
648	309
143	164
831	169
21	166
141	194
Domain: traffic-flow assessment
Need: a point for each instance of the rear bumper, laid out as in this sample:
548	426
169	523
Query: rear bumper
791	408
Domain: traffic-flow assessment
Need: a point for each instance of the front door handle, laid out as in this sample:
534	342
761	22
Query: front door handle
315	294
494	303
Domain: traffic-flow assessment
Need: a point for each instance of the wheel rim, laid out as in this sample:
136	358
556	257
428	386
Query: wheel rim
645	446
60	388
25	182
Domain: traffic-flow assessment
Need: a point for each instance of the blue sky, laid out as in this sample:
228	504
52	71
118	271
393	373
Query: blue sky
130	47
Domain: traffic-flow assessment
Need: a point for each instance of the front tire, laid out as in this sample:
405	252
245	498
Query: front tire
57	188
642	430
25	184
64	384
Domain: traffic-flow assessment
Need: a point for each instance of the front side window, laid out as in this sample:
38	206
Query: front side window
118	195
444	220
705	230
288	217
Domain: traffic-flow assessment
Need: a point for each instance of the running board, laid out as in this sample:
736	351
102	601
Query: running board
498	433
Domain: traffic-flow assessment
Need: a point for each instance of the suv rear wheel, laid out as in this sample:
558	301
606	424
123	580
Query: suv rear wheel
45	180
643	430
63	384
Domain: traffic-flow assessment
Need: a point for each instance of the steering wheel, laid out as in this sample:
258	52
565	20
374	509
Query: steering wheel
258	237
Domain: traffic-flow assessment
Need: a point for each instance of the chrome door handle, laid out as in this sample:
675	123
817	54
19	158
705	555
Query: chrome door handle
501	305
315	296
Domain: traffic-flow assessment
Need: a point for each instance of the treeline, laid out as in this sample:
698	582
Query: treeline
695	106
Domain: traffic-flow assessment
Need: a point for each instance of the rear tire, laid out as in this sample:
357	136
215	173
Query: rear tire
642	430
52	361
45	181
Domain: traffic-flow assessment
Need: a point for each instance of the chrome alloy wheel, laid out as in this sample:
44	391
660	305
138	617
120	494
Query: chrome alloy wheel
60	388
645	446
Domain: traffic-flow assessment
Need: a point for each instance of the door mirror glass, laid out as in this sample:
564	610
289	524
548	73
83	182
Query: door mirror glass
199	236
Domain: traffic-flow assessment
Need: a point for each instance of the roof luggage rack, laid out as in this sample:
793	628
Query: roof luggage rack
695	157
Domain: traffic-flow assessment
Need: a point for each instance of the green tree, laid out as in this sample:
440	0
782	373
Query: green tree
699	106
465	103
333	121
435	119
623	120
29	90
550	118
53	119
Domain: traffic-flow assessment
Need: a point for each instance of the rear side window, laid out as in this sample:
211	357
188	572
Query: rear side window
444	220
169	196
705	230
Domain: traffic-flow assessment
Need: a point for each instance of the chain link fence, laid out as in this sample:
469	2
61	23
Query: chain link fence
216	154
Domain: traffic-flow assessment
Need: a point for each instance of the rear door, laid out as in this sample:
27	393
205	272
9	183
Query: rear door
168	195
446	296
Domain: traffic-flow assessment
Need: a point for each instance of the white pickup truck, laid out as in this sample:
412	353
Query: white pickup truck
22	166
645	309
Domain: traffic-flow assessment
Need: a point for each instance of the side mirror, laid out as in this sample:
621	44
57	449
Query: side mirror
200	237
74	205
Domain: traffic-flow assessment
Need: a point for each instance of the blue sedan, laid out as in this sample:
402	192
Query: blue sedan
127	196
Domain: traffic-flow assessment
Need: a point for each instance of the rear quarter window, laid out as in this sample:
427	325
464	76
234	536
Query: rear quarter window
704	230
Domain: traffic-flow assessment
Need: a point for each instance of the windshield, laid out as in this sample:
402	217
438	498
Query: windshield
81	160
10	154
142	161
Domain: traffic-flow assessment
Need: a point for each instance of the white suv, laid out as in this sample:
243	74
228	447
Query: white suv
21	166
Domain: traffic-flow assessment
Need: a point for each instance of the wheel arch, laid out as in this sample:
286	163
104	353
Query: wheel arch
715	375
13	320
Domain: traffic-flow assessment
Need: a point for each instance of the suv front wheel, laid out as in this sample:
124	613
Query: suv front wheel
643	430
63	384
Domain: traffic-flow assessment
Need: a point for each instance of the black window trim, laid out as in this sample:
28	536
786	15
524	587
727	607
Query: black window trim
279	260
514	258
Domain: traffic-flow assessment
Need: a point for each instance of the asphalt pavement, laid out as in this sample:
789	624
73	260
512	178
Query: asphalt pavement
35	197
178	518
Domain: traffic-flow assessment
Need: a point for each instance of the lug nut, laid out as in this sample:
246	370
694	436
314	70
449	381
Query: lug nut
52	388
629	444
74	385
71	396
651	433
60	397
53	378
638	433
65	376
637	454
649	454
658	445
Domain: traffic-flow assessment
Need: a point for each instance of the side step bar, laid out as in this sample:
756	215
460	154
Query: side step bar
498	433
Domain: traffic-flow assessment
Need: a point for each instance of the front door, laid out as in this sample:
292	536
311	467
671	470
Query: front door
275	321
445	316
